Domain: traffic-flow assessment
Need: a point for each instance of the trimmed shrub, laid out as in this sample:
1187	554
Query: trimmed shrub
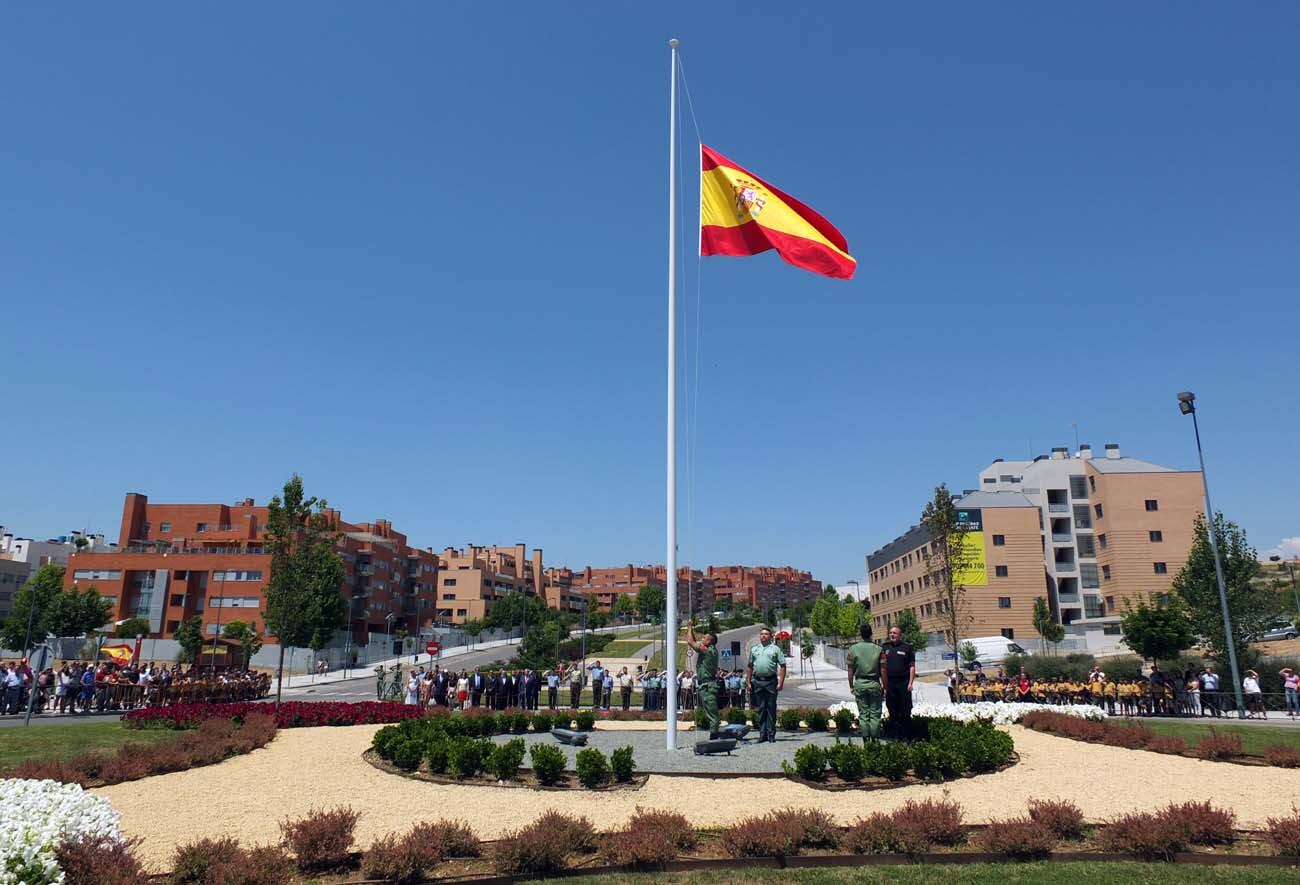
1284	834
1144	835
817	720
586	720
451	838
1219	746
940	819
816	828
192	862
542	722
436	751
843	721
890	761
403	860
516	722
766	836
847	760
322	840
664	826
1162	744
883	833
622	764
1130	737
531	852
592	768
1061	816
548	763
1201	823
263	865
100	860
787	720
407	754
504	759
735	716
465	756
571	830
1021	838
630	848
810	762
936	761
1282	756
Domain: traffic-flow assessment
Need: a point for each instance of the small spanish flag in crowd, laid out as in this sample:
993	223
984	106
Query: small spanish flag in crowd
741	214
121	654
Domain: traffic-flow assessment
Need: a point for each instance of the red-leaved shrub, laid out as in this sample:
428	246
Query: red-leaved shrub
1216	745
192	862
322	840
292	714
530	852
940	819
665	826
400	859
572	830
1163	744
884	833
263	865
816	828
764	836
1130	737
1061	816
629	848
1284	833
1148	836
1201	823
1282	756
453	838
1021	838
99	860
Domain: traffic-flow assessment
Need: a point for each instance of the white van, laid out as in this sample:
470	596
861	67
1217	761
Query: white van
991	649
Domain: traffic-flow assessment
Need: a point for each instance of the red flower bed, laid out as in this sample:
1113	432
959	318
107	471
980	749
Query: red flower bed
292	714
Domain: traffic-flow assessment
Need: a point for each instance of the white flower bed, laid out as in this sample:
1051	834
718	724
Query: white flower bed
35	816
997	712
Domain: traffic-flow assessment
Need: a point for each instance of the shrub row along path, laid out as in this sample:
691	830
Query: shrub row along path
247	796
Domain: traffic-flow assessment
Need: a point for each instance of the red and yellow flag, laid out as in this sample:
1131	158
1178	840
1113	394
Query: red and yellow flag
741	214
121	654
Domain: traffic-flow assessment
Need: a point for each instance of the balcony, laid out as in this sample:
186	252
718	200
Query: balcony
1062	538
1058	508
1065	566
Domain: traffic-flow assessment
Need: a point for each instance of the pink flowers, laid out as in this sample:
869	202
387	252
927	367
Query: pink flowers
292	714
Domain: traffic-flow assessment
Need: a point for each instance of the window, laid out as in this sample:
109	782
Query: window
164	526
1008	633
1152	505
173	626
1101	540
999	540
1004	602
1086	546
1000	571
235	601
97	574
1078	487
461	612
236	575
449	582
1097	509
1155	536
449	596
1105	574
178	599
1110	602
988	481
201	527
1160	568
1088	575
1082	516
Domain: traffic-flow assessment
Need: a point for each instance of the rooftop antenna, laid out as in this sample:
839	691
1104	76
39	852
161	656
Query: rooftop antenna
1075	425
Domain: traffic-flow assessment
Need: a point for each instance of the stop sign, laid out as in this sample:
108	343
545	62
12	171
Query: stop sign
433	648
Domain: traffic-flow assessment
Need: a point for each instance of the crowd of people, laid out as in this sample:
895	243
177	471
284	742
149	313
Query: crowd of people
643	686
1193	692
86	687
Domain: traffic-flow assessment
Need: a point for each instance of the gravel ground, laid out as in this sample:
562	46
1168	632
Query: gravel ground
304	768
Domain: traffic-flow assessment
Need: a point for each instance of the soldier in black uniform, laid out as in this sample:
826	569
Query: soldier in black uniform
900	673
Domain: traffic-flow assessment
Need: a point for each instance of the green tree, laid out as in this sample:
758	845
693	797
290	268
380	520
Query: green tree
849	620
1049	632
825	619
650	602
303	604
969	654
474	629
1160	633
190	636
52	610
1251	603
624	607
596	620
913	635
945	557
250	641
131	627
830	590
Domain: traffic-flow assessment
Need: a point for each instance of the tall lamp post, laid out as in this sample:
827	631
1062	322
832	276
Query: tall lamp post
1187	405
1291	571
857	589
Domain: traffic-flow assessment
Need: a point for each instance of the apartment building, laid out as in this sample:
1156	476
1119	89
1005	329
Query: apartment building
763	586
472	578
604	585
13	574
53	551
174	561
1105	532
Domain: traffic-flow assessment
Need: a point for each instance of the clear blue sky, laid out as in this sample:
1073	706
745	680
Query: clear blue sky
416	252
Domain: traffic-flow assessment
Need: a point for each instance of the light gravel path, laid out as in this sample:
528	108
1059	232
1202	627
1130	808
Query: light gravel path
304	768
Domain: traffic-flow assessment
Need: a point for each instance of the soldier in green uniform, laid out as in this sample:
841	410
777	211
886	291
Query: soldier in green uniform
867	682
706	672
765	677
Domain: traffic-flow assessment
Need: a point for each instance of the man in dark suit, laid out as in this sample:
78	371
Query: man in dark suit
439	686
476	686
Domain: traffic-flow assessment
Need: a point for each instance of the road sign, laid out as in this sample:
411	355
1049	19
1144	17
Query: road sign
725	653
950	656
433	648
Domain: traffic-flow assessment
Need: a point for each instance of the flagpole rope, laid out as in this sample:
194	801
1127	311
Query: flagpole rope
693	387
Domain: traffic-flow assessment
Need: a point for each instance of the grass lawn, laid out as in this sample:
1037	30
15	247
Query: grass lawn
19	744
657	661
623	648
1084	873
1254	738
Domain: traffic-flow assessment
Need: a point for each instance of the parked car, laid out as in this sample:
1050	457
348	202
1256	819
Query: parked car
992	649
1281	631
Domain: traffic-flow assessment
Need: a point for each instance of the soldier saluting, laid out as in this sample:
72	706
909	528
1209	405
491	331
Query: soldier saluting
706	670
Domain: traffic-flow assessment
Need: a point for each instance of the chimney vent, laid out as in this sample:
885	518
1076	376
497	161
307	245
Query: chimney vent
1085	452
1112	450
1059	453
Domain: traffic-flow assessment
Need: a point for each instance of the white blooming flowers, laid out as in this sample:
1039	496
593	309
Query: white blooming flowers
996	712
35	816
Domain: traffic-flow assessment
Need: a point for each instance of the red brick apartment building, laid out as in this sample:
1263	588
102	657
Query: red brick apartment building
179	560
756	586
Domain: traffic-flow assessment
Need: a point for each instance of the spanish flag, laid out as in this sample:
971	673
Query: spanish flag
741	214
121	654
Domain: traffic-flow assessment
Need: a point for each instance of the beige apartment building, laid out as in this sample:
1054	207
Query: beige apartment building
472	578
1090	535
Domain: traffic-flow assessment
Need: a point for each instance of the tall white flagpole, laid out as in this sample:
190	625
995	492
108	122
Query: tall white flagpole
670	637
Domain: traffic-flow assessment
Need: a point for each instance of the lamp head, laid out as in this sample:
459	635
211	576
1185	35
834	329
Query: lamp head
1186	402
1275	558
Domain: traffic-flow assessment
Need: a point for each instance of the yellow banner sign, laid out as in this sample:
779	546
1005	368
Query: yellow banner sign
971	566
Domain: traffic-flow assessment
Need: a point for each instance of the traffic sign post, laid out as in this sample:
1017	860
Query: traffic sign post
433	649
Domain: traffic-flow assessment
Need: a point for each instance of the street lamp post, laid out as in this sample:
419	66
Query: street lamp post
857	589
221	595
1290	571
1187	405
